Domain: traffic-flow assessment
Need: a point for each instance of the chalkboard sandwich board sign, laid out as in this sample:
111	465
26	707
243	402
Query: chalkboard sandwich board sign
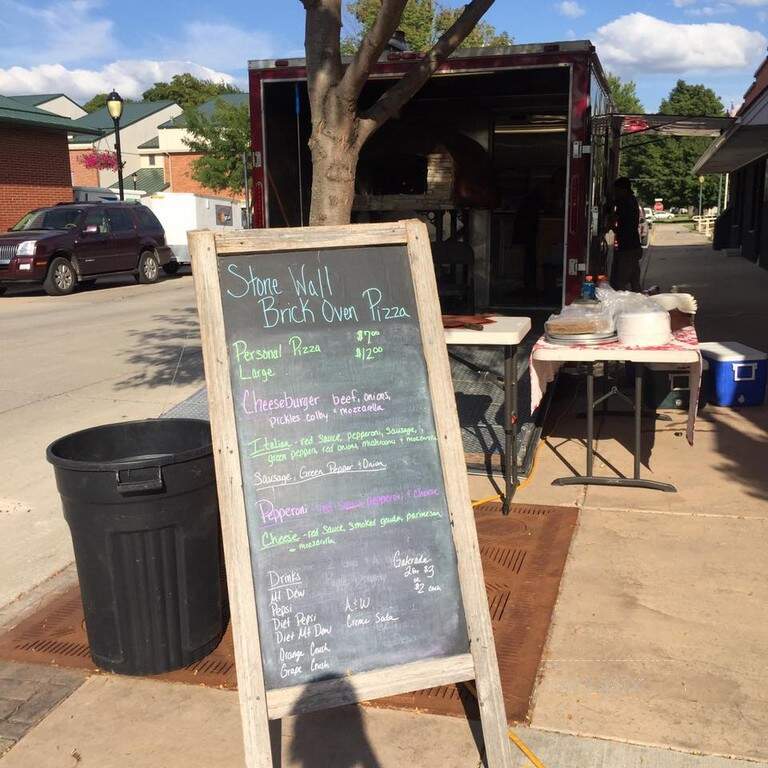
352	556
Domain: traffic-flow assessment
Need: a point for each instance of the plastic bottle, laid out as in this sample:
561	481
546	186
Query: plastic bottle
588	288
602	281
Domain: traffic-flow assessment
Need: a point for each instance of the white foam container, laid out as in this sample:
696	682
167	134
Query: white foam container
644	329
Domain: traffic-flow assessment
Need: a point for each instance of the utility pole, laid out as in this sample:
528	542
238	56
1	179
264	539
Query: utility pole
247	195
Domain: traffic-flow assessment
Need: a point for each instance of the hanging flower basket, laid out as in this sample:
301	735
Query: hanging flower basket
100	160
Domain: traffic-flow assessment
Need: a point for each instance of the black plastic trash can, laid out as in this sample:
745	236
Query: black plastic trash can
140	501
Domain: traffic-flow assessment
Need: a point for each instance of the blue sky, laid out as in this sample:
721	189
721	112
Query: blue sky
83	46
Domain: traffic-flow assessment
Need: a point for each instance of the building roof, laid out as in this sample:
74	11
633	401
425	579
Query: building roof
133	112
13	111
207	108
149	180
36	99
757	87
747	139
151	144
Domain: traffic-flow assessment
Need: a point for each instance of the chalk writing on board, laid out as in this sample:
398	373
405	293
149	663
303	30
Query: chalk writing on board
349	530
308	298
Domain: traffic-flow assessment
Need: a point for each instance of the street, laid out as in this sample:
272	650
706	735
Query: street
117	351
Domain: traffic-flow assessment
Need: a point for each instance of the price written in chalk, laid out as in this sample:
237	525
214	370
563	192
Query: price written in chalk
349	530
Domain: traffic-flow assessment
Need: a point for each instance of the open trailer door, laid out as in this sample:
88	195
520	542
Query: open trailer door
607	134
497	154
654	128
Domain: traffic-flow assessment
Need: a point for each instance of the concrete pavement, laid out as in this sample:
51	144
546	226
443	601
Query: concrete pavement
656	655
660	629
112	722
28	692
118	351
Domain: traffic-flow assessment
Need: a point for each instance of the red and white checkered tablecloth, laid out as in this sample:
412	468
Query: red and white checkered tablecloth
547	358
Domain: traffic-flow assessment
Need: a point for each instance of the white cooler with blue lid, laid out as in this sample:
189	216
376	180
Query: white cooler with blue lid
738	372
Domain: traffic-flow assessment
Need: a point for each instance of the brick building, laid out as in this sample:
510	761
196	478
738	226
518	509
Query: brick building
139	122
34	160
168	150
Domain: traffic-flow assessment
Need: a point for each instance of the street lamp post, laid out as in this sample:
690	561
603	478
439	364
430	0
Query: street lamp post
115	109
701	195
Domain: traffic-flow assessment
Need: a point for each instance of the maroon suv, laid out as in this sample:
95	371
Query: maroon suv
75	243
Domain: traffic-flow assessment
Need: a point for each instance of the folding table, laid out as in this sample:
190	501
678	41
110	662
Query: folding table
546	359
506	332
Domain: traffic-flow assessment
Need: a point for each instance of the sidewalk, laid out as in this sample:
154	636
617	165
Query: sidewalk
660	630
656	655
112	722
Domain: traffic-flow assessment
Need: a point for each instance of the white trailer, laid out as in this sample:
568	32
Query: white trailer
180	212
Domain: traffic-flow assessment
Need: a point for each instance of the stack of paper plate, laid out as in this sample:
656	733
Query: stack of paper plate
567	339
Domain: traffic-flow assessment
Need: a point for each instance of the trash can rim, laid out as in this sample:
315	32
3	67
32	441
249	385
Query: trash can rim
110	466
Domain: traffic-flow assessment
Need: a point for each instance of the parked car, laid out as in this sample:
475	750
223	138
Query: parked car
648	215
663	215
73	243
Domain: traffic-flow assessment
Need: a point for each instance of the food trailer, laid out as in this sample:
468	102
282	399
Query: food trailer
506	153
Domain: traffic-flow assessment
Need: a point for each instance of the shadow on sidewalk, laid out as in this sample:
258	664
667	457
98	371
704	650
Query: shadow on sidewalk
168	353
331	737
741	453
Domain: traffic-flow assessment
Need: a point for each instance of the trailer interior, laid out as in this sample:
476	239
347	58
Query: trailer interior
481	157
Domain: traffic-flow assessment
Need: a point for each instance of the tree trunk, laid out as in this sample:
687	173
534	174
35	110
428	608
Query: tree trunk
333	190
335	151
338	130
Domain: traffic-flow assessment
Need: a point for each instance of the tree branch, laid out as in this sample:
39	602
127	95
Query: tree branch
390	102
372	46
323	47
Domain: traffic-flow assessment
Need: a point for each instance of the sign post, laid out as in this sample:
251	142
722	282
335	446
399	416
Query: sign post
352	557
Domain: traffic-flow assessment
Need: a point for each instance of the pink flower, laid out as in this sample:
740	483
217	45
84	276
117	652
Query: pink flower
100	160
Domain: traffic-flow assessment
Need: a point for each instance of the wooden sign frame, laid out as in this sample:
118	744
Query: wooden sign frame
258	705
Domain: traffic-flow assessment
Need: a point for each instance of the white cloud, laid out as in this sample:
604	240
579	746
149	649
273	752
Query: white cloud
65	31
570	8
683	3
72	46
130	77
221	45
637	42
710	10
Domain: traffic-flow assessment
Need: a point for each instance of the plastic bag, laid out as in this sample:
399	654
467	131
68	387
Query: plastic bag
640	321
617	302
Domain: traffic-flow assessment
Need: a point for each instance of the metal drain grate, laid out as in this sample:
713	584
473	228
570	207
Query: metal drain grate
523	558
496	605
57	648
511	559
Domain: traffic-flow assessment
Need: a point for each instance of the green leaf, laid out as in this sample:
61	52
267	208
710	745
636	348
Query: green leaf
221	138
187	90
423	22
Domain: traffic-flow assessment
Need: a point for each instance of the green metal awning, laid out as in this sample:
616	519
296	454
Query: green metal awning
744	142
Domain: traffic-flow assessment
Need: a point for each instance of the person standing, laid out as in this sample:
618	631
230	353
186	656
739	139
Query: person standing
627	251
